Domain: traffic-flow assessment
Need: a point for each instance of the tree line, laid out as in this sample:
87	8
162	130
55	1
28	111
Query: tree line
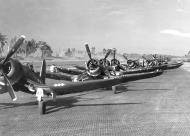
27	48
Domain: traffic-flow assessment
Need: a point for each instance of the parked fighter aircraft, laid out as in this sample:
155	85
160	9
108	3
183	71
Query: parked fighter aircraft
18	77
95	69
115	63
161	59
103	68
131	64
150	62
165	61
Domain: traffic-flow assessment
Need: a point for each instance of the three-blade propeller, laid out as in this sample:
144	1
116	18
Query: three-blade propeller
91	62
2	65
90	56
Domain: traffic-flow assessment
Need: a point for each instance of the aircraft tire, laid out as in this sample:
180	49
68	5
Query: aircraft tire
42	107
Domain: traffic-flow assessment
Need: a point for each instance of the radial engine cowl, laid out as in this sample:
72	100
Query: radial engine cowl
13	69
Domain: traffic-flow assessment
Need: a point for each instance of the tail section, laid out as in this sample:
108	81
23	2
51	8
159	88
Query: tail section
43	71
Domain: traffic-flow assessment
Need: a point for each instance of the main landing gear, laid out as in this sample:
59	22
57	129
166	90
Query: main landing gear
118	88
41	102
42	107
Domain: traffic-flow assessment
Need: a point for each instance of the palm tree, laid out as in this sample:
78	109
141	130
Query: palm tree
3	41
27	48
31	47
45	49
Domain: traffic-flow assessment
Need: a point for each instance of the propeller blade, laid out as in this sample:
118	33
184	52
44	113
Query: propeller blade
10	88
114	51
125	56
14	48
107	54
144	57
88	51
154	56
122	68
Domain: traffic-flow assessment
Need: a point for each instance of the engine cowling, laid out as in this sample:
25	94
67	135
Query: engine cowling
115	62
104	62
131	63
13	69
92	64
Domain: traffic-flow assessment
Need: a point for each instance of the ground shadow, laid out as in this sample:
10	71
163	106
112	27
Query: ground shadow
147	82
14	105
72	102
62	103
126	88
156	89
32	103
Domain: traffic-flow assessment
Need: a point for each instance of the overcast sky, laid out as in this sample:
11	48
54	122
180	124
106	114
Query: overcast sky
131	26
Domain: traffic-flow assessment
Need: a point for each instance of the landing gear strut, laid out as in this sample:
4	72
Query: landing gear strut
41	102
114	88
118	88
42	107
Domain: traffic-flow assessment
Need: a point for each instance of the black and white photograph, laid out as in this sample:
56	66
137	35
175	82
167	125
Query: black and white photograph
94	67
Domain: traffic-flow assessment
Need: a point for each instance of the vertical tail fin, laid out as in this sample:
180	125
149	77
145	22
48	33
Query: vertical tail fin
43	71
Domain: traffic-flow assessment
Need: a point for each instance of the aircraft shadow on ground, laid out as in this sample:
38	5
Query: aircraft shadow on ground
147	82
155	89
14	105
61	103
126	88
73	102
70	102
